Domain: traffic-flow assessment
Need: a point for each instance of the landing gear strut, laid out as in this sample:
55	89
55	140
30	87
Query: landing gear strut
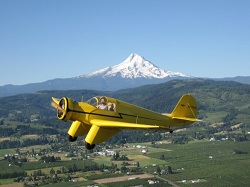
89	146
71	138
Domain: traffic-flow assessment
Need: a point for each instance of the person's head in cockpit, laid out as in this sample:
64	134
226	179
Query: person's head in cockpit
102	105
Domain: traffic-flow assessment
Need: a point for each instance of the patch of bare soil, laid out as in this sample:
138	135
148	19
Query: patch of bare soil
123	178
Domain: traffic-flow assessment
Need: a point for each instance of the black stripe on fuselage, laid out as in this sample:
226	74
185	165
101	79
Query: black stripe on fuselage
104	115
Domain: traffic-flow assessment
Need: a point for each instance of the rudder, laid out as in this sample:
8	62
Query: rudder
186	109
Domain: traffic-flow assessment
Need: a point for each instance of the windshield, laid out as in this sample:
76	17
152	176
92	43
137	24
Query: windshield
93	101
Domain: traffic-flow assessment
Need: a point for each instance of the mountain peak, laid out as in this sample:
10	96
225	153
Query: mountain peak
135	57
135	60
135	66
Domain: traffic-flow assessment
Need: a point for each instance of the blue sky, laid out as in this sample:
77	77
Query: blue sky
44	39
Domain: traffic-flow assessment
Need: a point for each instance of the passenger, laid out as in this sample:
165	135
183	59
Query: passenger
112	107
102	105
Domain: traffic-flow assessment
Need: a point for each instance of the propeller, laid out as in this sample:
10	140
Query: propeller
56	106
59	105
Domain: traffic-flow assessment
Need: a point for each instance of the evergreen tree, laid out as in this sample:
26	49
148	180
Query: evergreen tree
158	170
169	170
162	157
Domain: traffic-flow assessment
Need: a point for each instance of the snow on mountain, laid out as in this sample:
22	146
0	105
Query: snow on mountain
134	66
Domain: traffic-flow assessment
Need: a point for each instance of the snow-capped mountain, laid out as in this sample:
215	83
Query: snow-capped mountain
134	67
133	72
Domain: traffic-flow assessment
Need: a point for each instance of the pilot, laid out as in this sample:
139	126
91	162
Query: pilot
102	105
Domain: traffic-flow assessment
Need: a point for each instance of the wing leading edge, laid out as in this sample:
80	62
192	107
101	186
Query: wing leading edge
123	125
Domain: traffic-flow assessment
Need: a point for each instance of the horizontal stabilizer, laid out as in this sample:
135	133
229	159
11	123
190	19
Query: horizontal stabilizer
187	119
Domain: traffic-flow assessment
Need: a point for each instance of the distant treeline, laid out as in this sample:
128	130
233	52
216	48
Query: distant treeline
8	144
26	129
13	174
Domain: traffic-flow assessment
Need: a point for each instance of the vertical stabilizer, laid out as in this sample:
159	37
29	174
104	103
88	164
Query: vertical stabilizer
186	109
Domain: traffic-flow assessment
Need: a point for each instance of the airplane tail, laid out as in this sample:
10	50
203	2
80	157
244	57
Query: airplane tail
186	110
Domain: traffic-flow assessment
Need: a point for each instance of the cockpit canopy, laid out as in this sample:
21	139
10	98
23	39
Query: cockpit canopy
102	100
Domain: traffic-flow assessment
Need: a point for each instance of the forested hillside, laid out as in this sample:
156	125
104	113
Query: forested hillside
218	102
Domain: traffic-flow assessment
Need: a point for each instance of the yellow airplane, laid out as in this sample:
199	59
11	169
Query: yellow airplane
102	117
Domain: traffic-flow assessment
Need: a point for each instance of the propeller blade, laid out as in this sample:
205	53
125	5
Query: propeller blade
56	106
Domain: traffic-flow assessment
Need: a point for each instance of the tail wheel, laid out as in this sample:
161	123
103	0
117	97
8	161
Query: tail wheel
89	146
71	138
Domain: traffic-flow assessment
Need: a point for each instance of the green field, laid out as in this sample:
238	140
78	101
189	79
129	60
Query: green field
3	152
214	162
211	163
71	184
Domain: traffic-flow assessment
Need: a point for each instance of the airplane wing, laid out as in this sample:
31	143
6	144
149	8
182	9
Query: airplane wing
101	130
123	125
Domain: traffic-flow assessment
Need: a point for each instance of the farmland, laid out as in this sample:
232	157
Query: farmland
209	163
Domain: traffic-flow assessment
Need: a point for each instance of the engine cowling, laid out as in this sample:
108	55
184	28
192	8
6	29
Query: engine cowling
66	104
